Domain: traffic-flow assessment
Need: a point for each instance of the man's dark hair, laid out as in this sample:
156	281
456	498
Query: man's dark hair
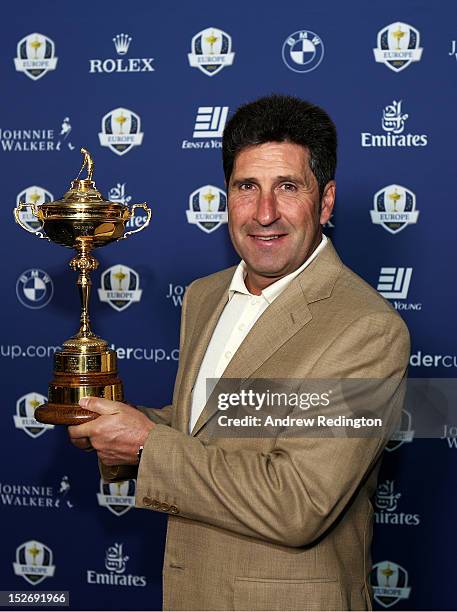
278	118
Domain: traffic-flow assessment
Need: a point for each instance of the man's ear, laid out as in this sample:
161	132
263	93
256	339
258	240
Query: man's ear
327	202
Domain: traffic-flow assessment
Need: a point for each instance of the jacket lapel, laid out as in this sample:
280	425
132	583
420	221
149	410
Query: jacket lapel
208	316
278	323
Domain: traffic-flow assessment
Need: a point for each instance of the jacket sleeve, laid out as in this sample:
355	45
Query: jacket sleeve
117	473
162	416
294	493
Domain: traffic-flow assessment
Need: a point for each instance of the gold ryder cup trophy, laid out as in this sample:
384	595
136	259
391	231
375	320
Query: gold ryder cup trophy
85	366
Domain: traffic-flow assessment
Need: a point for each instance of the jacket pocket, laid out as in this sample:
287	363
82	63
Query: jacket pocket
294	594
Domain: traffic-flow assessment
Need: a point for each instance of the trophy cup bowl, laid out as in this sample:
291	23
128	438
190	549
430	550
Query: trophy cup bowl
82	220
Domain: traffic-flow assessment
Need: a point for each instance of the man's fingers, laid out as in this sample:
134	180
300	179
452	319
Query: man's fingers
82	443
100	405
106	460
81	432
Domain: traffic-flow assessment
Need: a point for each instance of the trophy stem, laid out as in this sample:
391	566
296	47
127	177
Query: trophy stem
84	286
84	263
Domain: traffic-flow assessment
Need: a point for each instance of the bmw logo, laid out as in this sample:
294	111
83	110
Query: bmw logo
34	288
303	51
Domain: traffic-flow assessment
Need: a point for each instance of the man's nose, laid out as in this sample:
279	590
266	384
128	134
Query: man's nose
266	211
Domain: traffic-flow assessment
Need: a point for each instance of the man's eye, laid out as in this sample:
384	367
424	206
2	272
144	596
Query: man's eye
288	187
246	186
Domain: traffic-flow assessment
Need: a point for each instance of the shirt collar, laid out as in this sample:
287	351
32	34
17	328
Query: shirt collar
271	292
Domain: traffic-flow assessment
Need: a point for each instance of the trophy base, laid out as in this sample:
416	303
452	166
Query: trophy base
77	375
61	414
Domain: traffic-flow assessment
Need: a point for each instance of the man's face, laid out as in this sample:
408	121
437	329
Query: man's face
275	215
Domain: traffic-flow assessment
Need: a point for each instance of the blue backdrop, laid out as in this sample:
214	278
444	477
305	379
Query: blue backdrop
146	87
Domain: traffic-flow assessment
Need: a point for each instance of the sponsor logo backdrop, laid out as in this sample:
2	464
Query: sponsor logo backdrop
147	89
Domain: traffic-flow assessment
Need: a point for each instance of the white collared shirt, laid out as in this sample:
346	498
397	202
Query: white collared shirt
239	315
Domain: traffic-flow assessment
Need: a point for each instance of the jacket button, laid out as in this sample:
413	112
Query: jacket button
147	501
155	504
164	507
174	510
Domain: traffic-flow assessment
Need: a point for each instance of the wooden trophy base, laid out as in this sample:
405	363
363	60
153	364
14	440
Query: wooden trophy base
60	414
76	375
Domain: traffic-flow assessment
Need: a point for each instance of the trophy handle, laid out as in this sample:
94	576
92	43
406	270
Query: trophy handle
35	212
131	215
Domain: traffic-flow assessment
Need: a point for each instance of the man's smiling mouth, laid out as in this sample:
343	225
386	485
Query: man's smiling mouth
266	238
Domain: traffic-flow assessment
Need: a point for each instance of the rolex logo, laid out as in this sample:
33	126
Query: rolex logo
122	43
121	64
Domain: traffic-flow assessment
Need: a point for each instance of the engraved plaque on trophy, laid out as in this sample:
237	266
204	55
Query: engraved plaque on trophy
85	366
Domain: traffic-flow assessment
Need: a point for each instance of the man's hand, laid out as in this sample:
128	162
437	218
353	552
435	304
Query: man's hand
116	435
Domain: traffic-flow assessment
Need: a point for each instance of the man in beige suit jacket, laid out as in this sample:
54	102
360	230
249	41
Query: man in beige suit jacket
280	522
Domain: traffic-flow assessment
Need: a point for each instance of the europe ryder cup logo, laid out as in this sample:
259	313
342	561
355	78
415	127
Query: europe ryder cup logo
120	287
390	583
211	51
207	208
34	195
121	131
25	414
34	288
118	497
398	46
403	433
394	208
303	51
34	562
35	56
